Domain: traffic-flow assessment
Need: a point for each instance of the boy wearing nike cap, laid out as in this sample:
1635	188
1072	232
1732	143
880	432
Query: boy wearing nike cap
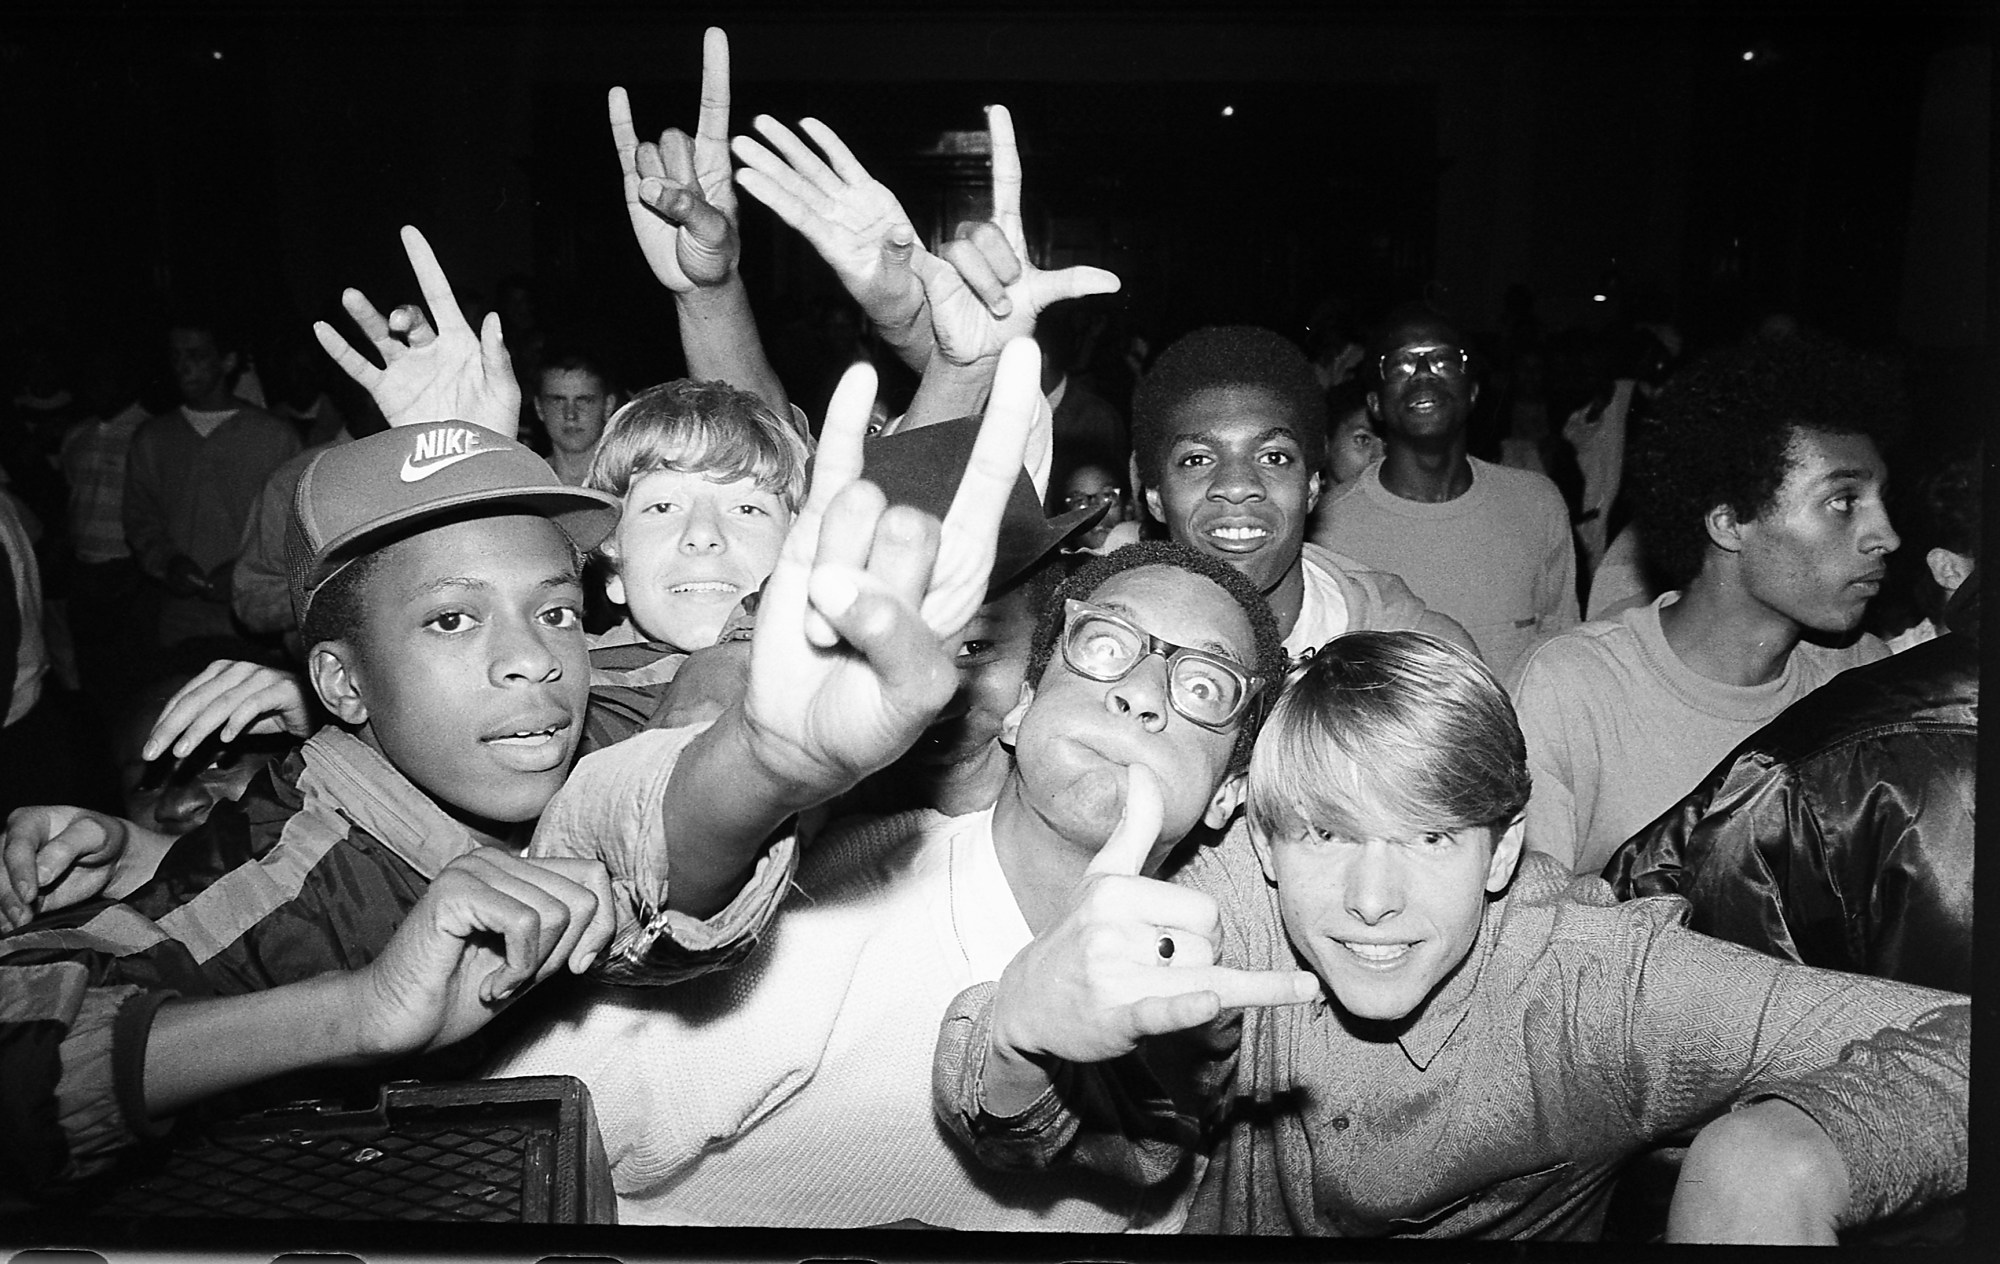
340	911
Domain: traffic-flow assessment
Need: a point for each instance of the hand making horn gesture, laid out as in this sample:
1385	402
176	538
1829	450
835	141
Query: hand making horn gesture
679	191
985	290
1133	957
430	371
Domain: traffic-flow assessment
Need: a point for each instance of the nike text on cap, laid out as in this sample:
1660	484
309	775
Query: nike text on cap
356	497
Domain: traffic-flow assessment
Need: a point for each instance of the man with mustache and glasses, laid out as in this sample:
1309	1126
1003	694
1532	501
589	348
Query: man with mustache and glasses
1487	544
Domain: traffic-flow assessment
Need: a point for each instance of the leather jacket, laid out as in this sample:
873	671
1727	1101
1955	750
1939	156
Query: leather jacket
1840	834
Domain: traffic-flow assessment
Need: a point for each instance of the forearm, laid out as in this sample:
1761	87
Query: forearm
1766	1174
722	802
719	339
949	391
1018	1117
908	333
203	1047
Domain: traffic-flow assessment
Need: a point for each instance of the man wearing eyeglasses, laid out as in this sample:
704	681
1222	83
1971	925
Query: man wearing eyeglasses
1487	544
795	1088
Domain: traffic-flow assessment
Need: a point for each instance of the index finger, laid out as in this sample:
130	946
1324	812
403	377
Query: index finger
1006	177
1138	826
623	134
972	527
713	124
1238	989
444	306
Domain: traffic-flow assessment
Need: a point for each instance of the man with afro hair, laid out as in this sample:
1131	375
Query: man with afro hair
1229	437
1760	500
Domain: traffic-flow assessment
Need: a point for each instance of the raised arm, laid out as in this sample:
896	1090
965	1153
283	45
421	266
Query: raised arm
681	197
433	369
851	219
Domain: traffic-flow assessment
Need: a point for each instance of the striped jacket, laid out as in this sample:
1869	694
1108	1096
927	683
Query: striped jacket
311	870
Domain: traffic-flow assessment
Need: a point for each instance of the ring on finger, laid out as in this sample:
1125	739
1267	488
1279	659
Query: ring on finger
1165	948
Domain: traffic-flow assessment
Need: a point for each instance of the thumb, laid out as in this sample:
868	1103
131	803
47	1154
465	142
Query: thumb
1137	830
1054	287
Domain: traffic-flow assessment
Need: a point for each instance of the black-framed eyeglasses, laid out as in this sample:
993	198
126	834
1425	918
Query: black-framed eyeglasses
1401	366
1204	688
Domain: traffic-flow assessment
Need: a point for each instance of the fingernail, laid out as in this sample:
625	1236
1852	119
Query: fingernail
834	592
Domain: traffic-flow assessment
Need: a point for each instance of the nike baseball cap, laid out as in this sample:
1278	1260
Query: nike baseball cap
356	497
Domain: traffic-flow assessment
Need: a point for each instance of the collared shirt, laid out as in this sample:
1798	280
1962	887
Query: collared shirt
1578	1032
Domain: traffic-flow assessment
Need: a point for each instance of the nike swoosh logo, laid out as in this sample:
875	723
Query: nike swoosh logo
413	473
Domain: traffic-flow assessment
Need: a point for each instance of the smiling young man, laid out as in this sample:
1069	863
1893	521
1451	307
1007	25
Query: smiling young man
1494	1040
1760	499
1229	432
796	1088
1488	544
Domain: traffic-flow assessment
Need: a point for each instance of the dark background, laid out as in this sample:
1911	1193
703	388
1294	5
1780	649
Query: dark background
259	158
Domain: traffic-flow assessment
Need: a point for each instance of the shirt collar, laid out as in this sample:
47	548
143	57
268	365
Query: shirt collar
1443	1014
374	797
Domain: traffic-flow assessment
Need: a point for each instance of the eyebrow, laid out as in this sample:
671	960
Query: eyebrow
448	583
1218	648
1211	438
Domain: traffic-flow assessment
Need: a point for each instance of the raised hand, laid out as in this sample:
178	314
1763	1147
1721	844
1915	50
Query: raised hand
855	223
679	191
231	698
429	372
1133	957
985	290
848	665
491	925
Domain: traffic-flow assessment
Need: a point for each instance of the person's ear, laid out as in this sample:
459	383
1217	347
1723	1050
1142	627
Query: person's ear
1261	844
1725	529
1949	569
1375	405
331	668
1010	725
536	399
1474	397
1312	491
1153	504
614	586
230	361
1223	803
1506	855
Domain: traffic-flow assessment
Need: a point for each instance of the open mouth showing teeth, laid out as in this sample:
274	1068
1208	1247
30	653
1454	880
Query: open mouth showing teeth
1239	533
538	737
1379	954
704	586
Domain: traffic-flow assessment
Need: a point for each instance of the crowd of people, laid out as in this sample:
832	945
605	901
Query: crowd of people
1404	783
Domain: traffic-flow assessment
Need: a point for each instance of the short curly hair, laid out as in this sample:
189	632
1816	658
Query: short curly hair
1225	355
1724	430
1271	660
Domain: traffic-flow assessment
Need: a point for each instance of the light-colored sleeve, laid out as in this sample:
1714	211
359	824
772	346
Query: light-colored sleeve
613	808
1882	1066
1555	582
1552	798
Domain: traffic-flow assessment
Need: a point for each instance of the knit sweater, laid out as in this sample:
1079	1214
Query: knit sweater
795	1089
